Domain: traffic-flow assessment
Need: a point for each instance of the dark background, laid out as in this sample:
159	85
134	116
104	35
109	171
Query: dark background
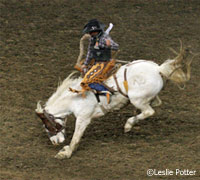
39	44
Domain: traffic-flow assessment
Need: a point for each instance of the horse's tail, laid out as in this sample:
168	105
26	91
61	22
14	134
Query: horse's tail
174	69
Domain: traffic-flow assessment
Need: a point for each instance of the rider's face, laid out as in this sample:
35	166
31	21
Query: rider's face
94	33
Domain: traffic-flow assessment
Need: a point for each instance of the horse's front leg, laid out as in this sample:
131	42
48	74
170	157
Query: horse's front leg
81	125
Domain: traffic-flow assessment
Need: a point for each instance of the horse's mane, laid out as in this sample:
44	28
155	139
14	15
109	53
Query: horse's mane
63	87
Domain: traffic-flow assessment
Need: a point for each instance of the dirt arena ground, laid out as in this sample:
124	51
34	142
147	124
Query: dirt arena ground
39	44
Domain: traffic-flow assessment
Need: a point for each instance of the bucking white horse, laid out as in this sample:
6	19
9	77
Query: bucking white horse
145	80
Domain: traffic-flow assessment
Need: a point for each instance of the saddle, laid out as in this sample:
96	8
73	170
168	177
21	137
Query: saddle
97	85
109	72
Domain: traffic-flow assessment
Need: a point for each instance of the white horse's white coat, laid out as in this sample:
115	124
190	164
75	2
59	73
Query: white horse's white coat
144	83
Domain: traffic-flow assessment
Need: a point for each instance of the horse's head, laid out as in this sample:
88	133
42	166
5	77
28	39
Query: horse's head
53	115
54	125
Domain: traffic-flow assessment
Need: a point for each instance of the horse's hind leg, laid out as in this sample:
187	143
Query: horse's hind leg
146	111
156	102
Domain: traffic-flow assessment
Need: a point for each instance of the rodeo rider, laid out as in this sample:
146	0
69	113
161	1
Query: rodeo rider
99	51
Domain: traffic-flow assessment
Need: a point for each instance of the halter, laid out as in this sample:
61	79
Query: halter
50	124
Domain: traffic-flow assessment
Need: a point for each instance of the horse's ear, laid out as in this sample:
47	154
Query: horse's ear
39	109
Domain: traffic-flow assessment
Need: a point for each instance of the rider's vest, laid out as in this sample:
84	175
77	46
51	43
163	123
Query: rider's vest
102	55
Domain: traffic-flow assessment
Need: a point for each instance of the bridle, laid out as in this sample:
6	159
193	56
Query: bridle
50	123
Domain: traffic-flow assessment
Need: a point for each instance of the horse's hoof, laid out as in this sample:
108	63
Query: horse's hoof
126	130
59	156
64	153
127	127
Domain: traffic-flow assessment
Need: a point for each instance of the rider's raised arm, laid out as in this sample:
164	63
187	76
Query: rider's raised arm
114	46
107	42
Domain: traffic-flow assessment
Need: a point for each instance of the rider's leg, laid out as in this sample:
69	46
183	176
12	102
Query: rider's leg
92	76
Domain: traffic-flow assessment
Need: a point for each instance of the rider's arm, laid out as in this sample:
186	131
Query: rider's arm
107	42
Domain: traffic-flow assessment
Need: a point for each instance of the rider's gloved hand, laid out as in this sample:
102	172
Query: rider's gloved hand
84	68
